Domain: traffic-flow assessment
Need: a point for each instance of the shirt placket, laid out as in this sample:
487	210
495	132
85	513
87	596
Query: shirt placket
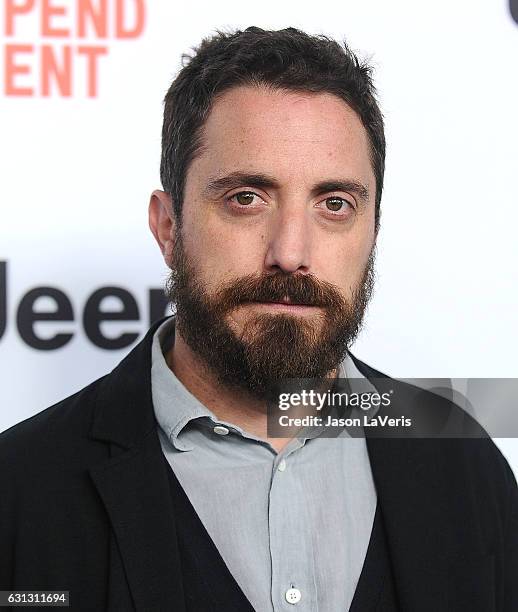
292	554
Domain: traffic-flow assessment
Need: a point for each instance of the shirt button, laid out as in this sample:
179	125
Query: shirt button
282	465
293	596
220	430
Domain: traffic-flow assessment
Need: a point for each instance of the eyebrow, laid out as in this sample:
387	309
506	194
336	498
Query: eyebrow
264	181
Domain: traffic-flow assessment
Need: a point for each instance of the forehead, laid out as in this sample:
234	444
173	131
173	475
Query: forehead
284	133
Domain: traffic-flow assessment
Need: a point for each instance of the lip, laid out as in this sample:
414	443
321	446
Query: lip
284	307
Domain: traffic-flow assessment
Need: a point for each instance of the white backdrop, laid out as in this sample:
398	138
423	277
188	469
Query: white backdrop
79	162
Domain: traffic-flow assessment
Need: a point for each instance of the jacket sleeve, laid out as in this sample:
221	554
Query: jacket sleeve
511	549
7	517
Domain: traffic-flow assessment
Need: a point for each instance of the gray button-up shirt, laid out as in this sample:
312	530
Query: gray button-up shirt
292	527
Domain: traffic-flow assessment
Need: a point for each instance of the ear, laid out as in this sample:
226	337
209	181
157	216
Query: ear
162	222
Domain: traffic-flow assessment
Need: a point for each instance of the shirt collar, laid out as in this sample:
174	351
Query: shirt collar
175	407
173	404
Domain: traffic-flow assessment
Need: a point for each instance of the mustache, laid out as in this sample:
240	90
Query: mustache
297	288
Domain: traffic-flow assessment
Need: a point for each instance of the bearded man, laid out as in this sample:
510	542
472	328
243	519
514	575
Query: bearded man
160	486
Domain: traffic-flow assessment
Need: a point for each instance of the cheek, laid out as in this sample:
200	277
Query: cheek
362	241
219	251
342	261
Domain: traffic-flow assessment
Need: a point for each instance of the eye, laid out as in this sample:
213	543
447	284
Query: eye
244	198
338	206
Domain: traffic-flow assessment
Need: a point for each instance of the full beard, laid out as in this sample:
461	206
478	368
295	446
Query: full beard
270	347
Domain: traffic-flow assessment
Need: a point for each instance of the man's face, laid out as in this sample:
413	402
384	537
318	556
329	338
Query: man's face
272	268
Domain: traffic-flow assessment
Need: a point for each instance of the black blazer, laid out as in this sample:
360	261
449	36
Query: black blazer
85	507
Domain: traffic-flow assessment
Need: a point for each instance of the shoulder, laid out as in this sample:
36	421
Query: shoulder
467	454
44	478
56	435
49	504
116	408
69	411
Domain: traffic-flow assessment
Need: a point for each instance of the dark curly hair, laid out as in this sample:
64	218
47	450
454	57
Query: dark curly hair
284	59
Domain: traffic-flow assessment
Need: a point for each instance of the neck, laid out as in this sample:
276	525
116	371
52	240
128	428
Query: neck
230	405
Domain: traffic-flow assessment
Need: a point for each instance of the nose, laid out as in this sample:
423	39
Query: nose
289	243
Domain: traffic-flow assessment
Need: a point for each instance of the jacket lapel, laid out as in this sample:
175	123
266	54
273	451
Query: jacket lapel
409	495
133	483
413	496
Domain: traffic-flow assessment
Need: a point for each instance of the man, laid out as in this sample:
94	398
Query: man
159	486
